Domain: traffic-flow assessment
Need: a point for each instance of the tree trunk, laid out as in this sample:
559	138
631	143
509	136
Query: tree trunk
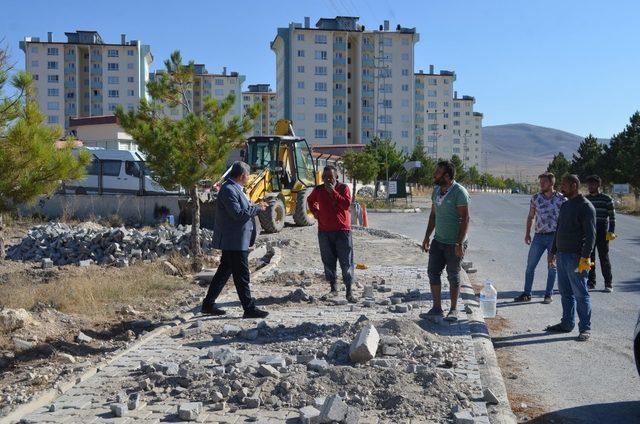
195	223
353	195
1	237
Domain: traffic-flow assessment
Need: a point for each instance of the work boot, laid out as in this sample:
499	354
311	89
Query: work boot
350	297
255	313
208	309
331	294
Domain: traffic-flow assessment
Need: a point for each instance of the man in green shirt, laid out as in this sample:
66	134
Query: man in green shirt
450	219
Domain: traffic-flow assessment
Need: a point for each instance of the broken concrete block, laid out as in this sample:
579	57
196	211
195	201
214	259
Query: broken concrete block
365	345
268	371
20	344
171	368
46	263
224	357
402	308
390	350
318	365
218	406
464	417
13	319
252	402
189	411
353	415
309	415
396	300
368	292
274	361
231	330
368	303
84	263
251	334
118	409
83	338
122	263
490	398
334	409
134	401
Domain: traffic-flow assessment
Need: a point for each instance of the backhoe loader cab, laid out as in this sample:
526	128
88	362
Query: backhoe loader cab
283	174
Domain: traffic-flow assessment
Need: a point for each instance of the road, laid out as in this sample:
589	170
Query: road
587	382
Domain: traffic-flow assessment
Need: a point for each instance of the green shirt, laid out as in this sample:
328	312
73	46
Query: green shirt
447	215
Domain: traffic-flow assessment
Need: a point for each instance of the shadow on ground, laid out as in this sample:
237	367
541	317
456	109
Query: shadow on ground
610	413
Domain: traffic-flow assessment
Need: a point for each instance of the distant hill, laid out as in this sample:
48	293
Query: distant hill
525	150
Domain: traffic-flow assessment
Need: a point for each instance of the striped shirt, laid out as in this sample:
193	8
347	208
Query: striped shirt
605	213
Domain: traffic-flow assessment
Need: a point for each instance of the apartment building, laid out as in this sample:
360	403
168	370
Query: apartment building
445	124
206	85
266	121
84	76
342	84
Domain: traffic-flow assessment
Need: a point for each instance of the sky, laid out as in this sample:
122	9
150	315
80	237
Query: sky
565	64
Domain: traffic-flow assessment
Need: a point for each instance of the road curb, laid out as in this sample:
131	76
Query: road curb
490	373
49	396
411	210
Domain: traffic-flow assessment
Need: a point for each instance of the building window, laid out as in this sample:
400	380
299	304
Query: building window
404	56
300	117
456	113
112	107
35	63
387	42
432	116
301	69
300	53
432	93
321	133
321	70
321	118
111	66
405	41
301	85
129	106
320	102
321	86
386	104
129	65
432	81
456	105
52	78
405	72
52	51
218	92
385	119
130	79
113	93
130	52
404	103
299	100
321	39
113	80
112	53
70	95
34	49
52	119
53	92
53	106
433	127
405	134
432	105
445	82
52	65
300	37
456	123
131	93
321	55
36	77
405	87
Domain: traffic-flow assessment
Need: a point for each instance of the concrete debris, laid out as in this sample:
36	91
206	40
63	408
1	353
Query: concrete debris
333	410
189	411
268	371
66	358
224	357
318	365
118	409
365	345
309	415
230	330
464	417
490	398
83	338
62	244
13	319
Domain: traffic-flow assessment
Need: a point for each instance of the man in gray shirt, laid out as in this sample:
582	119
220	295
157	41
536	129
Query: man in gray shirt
575	237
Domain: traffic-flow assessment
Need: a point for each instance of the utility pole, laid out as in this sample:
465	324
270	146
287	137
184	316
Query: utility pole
381	70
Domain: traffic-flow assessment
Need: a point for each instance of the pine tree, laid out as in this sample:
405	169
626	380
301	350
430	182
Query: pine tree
461	173
186	151
559	166
587	158
622	156
30	163
424	174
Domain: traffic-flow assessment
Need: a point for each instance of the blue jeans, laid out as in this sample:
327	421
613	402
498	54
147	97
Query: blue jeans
539	244
574	292
337	246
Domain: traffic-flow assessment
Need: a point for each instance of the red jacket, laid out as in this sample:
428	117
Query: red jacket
332	210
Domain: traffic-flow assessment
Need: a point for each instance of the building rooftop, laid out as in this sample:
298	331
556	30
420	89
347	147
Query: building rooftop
259	88
93	120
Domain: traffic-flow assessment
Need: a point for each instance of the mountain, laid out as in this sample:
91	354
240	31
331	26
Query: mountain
524	150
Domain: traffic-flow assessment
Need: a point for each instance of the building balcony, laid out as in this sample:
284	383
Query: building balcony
419	85
367	124
419	119
339	61
366	61
367	109
69	71
339	77
96	84
419	96
419	131
96	98
339	108
419	108
339	45
96	71
339	124
339	139
69	84
367	93
367	47
69	57
367	78
96	58
339	92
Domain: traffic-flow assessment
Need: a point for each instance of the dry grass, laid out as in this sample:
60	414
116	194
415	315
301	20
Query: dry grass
629	205
92	292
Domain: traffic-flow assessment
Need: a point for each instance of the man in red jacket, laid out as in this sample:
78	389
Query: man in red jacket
330	203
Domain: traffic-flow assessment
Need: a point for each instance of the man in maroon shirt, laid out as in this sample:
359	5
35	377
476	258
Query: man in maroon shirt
330	203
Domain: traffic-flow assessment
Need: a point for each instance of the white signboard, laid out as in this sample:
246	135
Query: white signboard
621	189
393	187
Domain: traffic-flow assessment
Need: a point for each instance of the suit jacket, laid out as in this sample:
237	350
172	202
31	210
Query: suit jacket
235	227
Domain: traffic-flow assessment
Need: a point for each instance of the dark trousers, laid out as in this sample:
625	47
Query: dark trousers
236	263
443	256
337	246
602	246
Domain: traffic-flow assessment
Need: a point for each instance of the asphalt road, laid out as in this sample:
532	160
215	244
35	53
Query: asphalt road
589	382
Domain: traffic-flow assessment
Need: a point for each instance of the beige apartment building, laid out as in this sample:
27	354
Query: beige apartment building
84	76
262	94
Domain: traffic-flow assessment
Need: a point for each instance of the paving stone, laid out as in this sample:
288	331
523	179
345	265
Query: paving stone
464	417
489	397
318	365
231	330
334	409
46	263
189	411
265	370
309	415
365	345
118	409
353	415
251	402
274	361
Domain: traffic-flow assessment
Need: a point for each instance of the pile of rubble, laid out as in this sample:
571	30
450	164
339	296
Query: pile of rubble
62	244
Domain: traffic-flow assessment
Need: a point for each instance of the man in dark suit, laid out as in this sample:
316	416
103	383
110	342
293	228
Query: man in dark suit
234	232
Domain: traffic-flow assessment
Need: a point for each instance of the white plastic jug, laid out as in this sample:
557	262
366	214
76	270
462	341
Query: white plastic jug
488	300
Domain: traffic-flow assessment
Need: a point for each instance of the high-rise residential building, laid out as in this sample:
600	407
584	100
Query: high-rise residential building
342	84
84	76
266	121
445	124
206	85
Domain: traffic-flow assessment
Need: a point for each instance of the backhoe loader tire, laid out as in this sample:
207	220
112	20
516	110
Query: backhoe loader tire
302	216
272	219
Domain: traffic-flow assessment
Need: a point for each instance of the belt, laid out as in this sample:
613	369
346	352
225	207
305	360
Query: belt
546	234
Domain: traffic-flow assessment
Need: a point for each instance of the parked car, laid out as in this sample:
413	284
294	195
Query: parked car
636	344
115	172
515	191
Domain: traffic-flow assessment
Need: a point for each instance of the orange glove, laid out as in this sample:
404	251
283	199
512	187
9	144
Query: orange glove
584	264
611	236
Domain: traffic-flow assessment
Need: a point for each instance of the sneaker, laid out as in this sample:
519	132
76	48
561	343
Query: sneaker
255	313
547	299
351	299
584	336
557	328
432	313
212	310
523	298
452	316
608	289
331	294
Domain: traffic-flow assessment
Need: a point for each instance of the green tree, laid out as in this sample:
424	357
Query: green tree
473	175
386	155
360	166
461	173
622	156
30	163
424	174
587	158
559	166
186	151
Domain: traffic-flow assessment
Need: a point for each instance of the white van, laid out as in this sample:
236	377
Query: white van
115	172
